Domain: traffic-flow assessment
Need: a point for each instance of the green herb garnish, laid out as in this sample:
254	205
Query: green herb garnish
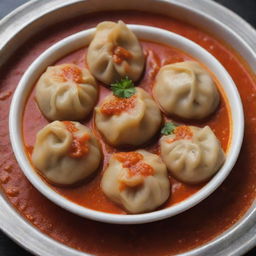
124	88
168	128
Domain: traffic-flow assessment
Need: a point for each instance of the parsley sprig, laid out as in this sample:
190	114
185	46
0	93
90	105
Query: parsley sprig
124	88
168	128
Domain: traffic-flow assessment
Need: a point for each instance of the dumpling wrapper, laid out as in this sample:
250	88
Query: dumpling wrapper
134	125
52	154
137	193
115	53
193	157
186	90
66	92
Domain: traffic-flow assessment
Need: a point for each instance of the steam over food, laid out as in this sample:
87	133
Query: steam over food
136	180
128	121
66	92
66	152
192	154
115	53
186	90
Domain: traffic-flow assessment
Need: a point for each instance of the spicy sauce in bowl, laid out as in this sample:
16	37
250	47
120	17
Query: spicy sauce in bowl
79	200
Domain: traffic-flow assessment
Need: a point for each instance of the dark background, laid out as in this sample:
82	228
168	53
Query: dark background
245	8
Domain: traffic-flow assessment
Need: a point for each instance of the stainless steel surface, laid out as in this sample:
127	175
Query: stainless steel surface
31	17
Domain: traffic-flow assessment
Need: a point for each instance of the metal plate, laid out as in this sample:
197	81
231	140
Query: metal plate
33	16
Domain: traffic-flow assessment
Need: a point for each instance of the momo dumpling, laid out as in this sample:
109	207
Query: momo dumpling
115	53
186	90
137	181
192	154
66	152
66	92
128	121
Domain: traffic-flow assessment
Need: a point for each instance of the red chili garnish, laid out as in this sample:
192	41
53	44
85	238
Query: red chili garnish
72	73
118	105
120	54
182	133
70	126
69	73
135	164
79	146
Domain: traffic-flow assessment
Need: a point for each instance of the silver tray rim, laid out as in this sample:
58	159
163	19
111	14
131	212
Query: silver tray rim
235	241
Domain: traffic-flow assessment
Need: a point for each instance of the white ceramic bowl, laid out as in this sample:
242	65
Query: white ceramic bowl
82	39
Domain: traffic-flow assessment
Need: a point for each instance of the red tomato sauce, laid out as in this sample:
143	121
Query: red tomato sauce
89	194
178	234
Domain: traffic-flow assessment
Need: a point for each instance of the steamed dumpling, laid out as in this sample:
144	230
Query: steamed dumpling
66	152
128	121
66	92
186	90
136	180
192	154
115	53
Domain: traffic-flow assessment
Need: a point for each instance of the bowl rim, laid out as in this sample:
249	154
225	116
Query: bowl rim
83	38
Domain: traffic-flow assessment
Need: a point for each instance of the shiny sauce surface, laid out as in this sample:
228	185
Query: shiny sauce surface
175	235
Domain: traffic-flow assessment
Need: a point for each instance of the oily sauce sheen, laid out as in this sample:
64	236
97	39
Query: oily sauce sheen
175	235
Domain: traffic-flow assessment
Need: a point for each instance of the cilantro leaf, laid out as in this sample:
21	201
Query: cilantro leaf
124	88
168	128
